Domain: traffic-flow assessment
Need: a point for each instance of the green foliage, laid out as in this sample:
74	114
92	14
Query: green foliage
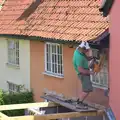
16	98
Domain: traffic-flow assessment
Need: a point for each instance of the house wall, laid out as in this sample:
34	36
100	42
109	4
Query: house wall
114	69
69	85
15	75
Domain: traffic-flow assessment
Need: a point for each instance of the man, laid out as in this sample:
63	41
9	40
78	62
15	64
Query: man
80	63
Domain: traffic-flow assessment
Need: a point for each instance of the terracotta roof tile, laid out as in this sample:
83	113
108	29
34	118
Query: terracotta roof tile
60	19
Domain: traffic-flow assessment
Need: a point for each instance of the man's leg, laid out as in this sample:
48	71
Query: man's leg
86	87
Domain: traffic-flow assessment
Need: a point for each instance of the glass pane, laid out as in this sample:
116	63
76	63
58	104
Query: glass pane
17	61
53	48
17	53
17	89
17	45
97	78
56	68
102	78
49	67
105	79
53	68
47	48
10	86
53	58
48	58
93	78
61	69
60	49
11	44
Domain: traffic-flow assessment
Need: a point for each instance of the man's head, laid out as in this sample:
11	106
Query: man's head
84	47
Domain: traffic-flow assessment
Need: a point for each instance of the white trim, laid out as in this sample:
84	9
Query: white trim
60	75
53	75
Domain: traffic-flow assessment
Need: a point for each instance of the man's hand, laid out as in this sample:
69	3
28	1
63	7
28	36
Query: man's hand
92	72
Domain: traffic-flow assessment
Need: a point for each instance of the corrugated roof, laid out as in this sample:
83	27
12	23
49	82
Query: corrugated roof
59	19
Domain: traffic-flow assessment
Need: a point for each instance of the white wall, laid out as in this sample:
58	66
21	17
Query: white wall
15	75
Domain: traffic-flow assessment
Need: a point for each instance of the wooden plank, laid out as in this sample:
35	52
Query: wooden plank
3	116
30	117
67	105
26	105
58	116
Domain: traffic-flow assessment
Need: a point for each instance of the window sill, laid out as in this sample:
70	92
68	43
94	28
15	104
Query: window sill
99	86
13	65
53	75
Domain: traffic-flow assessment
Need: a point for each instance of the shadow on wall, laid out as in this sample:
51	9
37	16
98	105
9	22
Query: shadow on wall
31	9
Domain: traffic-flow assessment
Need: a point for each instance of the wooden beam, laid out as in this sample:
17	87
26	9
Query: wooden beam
22	118
3	116
26	105
58	116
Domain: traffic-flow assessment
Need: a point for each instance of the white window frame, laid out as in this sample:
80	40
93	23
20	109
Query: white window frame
13	52
100	84
51	73
13	88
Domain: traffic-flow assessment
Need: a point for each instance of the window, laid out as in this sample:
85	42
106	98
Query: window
54	59
13	88
101	79
13	52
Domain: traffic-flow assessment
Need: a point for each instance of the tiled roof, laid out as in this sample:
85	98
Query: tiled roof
59	19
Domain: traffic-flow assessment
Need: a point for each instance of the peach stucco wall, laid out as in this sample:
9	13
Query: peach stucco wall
114	69
69	85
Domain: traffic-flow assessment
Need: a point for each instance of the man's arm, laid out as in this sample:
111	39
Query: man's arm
80	63
89	58
84	71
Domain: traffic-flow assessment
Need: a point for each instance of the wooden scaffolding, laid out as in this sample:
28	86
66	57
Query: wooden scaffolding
57	107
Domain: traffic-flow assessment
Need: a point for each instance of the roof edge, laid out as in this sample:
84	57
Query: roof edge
43	39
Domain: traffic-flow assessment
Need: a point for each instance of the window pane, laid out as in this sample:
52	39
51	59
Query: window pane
59	69
17	61
17	53
53	48
59	59
53	58
17	45
60	49
49	67
56	68
53	68
18	89
48	58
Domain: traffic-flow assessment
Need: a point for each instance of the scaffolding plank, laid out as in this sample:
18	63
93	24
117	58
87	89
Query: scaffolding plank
66	104
26	105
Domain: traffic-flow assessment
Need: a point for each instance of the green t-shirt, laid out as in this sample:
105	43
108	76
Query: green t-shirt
79	59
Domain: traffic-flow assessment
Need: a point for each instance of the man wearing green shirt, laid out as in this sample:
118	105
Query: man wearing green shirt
80	63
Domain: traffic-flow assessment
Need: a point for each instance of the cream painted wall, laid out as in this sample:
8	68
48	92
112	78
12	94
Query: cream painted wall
15	75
